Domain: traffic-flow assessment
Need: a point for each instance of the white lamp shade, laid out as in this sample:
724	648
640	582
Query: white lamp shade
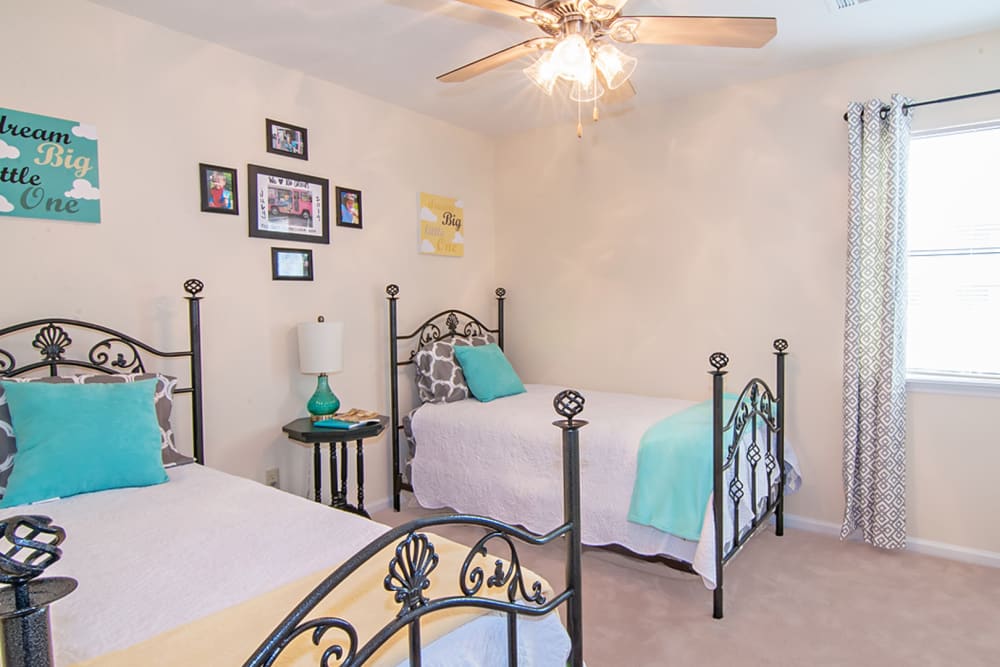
321	347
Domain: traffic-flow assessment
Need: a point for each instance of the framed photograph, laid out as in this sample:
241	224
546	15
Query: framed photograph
348	208
285	139
218	189
287	206
291	264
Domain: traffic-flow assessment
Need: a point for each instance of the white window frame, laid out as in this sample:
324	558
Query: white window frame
946	382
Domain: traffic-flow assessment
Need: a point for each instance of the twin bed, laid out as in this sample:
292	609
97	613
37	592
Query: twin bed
212	569
493	457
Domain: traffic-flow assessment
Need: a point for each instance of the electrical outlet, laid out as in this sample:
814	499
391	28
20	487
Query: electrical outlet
271	478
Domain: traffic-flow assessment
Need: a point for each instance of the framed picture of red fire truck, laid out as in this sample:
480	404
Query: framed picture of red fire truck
288	206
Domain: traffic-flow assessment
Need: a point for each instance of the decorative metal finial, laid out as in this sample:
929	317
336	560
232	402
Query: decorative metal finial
780	345
23	556
392	290
718	360
321	319
501	292
193	286
568	403
28	545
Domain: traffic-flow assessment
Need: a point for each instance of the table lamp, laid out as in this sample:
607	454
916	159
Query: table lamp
321	351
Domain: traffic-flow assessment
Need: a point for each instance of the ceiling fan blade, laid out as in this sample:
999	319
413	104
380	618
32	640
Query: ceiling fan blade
510	8
705	30
494	60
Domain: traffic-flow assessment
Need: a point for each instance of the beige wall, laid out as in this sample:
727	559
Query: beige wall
718	223
163	102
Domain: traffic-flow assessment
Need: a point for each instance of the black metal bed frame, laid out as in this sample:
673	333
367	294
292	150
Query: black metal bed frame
118	353
758	407
23	557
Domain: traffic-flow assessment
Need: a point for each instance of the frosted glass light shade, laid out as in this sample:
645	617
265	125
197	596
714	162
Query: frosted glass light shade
321	347
586	92
572	59
543	73
616	66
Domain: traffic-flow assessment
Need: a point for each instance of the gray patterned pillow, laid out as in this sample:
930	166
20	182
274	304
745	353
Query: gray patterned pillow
164	398
439	377
7	445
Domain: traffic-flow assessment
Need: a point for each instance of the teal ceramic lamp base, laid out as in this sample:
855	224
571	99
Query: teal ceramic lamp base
323	400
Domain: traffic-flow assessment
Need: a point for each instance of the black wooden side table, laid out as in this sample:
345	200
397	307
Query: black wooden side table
302	430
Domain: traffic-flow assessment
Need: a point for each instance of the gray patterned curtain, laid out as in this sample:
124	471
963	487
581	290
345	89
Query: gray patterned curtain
875	320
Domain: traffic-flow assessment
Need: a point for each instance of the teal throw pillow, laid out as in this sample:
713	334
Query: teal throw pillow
78	438
487	372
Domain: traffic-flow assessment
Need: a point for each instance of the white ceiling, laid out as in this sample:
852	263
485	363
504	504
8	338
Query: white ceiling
394	49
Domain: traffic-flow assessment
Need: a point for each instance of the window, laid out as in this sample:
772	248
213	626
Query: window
953	210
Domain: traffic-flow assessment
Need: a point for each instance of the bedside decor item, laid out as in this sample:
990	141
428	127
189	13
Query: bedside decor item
442	230
348	208
48	168
321	351
288	206
286	139
218	189
291	264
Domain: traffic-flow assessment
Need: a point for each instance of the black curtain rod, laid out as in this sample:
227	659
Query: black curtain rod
955	98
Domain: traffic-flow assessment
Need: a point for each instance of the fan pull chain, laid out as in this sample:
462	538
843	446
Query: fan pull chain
579	117
597	116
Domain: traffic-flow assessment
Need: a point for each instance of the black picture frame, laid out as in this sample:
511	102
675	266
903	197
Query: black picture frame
286	139
291	264
288	206
348	216
219	189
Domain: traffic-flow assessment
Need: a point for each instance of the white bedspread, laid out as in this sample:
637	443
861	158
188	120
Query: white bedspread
152	559
504	459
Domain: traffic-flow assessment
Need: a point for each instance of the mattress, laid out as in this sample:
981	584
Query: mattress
504	459
155	558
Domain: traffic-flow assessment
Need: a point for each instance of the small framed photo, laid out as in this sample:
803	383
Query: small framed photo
348	208
285	139
218	189
288	206
291	264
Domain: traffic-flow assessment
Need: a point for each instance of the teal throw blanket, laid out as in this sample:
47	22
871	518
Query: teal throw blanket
673	478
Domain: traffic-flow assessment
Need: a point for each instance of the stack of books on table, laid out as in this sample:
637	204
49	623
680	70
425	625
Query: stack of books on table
354	418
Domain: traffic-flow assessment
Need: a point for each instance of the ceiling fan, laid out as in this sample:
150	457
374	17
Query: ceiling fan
578	46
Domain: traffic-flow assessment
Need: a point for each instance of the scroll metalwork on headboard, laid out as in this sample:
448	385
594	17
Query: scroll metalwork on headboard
450	323
115	353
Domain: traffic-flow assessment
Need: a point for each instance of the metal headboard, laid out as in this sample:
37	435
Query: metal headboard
115	354
447	324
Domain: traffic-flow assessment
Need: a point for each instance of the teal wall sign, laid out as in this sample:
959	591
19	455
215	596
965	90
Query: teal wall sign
48	168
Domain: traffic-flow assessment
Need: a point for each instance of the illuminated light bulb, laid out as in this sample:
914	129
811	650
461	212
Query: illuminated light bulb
572	59
616	66
543	73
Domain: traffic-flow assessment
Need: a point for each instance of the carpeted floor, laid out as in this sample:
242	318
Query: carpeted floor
801	599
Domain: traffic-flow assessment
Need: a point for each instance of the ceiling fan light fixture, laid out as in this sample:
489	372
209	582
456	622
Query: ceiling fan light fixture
543	73
616	66
571	58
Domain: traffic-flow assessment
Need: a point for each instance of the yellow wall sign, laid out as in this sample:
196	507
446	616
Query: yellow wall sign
442	226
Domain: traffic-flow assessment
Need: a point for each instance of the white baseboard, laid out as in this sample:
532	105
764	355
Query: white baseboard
914	544
378	505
